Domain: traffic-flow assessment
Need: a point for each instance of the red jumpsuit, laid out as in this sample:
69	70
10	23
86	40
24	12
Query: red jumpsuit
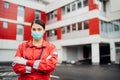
41	61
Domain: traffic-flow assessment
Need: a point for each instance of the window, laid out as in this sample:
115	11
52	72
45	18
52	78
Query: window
21	11
101	26
79	5
54	14
63	30
85	3
85	24
68	8
110	26
116	27
104	6
20	16
104	26
37	15
6	4
48	17
63	10
20	30
80	26
5	24
117	44
53	32
51	15
73	27
48	33
68	28
73	7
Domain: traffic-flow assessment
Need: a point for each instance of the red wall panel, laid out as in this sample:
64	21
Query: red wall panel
8	33
8	12
43	16
45	36
92	5
27	33
29	14
94	26
59	14
59	31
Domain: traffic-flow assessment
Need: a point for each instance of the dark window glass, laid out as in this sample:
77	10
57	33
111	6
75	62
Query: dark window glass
73	7
68	28
63	30
6	4
63	10
79	5
86	25
85	3
80	26
48	33
73	27
68	8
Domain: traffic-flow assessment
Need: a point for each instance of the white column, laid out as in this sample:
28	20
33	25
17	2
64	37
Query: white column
112	52
95	54
60	55
80	53
64	53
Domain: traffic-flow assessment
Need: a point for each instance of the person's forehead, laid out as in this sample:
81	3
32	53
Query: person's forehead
36	26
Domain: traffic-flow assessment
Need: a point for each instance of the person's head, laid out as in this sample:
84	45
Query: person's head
37	29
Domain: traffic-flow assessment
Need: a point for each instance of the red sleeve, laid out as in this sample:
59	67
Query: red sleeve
22	69
47	65
19	68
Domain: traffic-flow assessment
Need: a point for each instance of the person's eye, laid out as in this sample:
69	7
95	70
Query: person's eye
39	29
34	29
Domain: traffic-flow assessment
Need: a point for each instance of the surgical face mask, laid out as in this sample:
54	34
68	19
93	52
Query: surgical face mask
37	34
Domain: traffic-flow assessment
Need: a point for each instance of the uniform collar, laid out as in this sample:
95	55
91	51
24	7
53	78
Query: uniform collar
30	44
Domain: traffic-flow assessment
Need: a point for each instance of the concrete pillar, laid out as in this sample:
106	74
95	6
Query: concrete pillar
112	52
80	53
64	53
95	54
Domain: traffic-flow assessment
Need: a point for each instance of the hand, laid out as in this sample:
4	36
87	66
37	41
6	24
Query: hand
20	60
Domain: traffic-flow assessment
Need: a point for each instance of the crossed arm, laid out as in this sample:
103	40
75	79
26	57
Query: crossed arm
22	66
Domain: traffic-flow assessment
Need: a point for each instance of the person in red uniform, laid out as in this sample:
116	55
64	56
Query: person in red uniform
37	58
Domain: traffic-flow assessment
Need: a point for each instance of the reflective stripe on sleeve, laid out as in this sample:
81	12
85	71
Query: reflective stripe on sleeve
28	69
48	57
13	64
55	53
36	64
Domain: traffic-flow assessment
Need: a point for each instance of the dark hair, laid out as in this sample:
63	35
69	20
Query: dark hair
40	22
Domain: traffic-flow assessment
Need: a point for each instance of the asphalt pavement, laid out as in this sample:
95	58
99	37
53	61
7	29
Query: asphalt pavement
86	72
73	72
